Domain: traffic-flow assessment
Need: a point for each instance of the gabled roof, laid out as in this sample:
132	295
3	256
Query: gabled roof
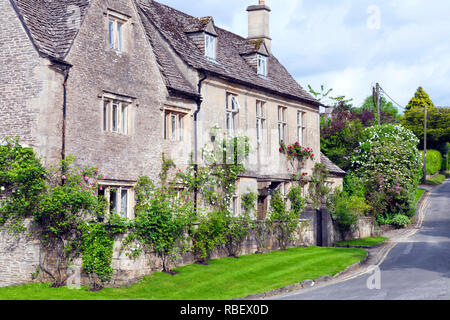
172	24
51	24
205	24
330	166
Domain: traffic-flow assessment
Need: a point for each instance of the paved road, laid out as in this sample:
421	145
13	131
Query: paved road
416	268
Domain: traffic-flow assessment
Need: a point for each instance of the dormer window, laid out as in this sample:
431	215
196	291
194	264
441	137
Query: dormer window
210	46
262	65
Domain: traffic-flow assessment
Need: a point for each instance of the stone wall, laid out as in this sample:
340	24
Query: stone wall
19	255
19	258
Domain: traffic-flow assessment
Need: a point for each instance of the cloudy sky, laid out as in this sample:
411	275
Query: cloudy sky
349	45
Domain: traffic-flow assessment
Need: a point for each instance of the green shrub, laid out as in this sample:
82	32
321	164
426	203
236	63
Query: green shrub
22	182
358	205
353	185
384	219
434	161
389	163
344	213
400	221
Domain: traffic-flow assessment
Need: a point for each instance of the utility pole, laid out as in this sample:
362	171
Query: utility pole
425	145
378	103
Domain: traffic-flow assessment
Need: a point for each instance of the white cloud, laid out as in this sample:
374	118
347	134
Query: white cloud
328	42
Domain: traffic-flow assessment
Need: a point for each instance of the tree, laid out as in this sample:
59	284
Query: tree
340	136
438	121
336	102
389	113
419	101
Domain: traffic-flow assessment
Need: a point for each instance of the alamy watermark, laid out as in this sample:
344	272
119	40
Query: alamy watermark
374	19
374	281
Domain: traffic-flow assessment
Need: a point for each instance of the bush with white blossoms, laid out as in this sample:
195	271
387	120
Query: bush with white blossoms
389	163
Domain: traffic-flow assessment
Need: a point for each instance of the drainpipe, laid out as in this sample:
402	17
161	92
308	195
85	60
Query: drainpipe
63	146
199	105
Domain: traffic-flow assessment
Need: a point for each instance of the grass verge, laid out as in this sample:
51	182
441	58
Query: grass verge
365	242
419	193
223	279
438	179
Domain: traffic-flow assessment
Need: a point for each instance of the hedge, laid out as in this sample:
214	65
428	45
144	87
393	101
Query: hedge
434	161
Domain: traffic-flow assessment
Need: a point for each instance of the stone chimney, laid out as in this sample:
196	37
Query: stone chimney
259	24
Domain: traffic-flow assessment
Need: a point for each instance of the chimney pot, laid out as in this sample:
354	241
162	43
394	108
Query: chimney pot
262	2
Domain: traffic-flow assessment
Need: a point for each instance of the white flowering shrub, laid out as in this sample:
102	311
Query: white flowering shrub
389	163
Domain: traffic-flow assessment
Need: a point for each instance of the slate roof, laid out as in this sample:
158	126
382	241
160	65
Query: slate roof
51	25
172	24
331	167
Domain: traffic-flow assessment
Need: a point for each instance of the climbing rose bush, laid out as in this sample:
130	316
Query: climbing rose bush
389	163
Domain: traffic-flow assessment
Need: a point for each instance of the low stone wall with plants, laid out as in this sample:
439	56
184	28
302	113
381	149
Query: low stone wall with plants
80	240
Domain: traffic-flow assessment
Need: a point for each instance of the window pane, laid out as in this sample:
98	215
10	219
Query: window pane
280	137
166	126
124	119
229	120
234	103
111	35
124	203
262	70
300	136
119	36
210	46
174	127
258	130
115	114
113	201
181	127
106	113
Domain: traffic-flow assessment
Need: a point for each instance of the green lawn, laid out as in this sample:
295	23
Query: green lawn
225	278
419	193
366	242
439	179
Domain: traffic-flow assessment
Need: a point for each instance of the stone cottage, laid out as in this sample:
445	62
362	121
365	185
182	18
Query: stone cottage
118	82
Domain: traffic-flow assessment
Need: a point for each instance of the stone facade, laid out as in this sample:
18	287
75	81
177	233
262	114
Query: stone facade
30	90
56	104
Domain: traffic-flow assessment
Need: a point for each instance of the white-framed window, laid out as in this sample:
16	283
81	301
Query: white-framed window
282	123
232	112
116	33
262	65
301	127
174	125
116	115
118	198
210	46
260	121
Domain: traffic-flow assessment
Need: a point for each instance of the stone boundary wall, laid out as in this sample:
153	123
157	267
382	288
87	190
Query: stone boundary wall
19	255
